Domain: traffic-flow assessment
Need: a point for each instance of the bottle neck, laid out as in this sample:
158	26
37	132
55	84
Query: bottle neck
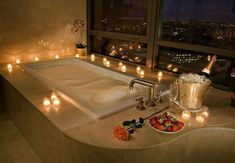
208	68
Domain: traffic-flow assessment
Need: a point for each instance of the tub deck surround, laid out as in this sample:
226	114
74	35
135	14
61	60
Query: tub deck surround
96	135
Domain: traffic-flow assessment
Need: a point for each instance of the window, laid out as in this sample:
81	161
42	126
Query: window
174	35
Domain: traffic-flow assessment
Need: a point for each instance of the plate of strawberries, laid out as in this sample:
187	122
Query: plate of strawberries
166	123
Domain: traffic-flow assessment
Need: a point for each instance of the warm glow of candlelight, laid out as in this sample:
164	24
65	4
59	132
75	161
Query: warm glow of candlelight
46	102
175	69
36	59
131	47
120	64
18	61
92	57
159	74
205	114
186	115
77	55
169	67
123	68
138	68
139	47
57	57
141	73
104	60
120	49
53	96
107	63
9	66
200	118
56	101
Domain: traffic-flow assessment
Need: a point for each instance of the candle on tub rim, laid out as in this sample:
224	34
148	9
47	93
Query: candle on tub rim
107	63
186	115
18	61
138	69
57	57
36	59
142	73
159	74
104	60
120	64
77	55
123	68
53	95
200	118
92	57
205	114
46	101
9	66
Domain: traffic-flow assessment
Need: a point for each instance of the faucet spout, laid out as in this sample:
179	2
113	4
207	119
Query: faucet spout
150	85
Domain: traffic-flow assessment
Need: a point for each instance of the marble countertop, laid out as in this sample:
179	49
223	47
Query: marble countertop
80	127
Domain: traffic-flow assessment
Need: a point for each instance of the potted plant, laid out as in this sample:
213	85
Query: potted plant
78	27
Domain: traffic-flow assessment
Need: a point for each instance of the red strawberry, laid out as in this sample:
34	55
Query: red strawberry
169	129
152	121
175	127
159	127
180	124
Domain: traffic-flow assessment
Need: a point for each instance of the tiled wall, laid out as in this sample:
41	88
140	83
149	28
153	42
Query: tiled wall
42	28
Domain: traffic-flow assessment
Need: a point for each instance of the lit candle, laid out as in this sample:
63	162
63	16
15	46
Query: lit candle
77	55
120	64
92	57
205	114
138	68
57	57
9	66
141	73
131	47
169	67
104	60
123	68
159	74
53	96
18	61
139	47
46	102
186	114
200	118
120	49
56	101
175	69
36	59
108	63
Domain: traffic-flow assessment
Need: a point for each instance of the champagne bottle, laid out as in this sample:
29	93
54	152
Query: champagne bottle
207	70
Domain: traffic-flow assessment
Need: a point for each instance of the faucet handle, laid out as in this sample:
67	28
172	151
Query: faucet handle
140	105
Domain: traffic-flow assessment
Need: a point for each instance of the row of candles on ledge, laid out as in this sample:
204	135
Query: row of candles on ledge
200	117
52	101
123	67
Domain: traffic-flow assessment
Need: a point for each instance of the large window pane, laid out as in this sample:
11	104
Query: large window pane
123	16
204	22
181	61
125	50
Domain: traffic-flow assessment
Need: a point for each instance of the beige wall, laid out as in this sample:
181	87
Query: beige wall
26	25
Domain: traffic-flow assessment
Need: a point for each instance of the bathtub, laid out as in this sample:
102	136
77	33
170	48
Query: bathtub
96	91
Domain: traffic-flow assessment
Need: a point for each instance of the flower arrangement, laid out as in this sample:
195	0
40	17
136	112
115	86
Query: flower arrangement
79	27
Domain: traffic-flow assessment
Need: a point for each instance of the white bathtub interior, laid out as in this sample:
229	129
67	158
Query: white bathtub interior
96	91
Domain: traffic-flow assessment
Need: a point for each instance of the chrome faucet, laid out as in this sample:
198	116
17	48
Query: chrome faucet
151	94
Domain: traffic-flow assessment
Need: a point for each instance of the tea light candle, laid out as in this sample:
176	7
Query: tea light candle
56	101
123	68
205	114
9	66
108	63
46	102
141	73
18	61
139	47
131	47
120	64
200	118
169	67
77	55
53	96
36	59
138	69
120	49
175	69
92	57
159	74
186	114
104	60
57	57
